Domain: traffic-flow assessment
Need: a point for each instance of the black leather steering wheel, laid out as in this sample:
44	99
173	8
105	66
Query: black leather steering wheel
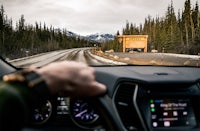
13	108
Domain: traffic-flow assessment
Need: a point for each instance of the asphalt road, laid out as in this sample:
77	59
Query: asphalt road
79	54
84	55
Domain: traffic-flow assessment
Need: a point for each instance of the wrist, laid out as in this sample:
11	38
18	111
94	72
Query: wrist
46	77
30	79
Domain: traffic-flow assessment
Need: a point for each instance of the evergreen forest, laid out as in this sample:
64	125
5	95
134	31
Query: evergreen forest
26	39
173	33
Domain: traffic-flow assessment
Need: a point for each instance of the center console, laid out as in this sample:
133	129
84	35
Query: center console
163	108
168	112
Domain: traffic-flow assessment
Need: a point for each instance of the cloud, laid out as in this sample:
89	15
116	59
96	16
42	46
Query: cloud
88	16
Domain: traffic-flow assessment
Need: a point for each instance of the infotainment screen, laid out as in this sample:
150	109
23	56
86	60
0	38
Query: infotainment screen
171	113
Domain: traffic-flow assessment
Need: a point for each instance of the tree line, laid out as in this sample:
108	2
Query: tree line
172	33
27	39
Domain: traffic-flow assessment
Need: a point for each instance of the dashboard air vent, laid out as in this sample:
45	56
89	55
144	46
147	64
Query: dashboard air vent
124	103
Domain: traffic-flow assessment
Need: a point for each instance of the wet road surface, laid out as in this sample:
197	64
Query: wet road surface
80	55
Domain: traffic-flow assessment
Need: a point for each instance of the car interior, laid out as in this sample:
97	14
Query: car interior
149	98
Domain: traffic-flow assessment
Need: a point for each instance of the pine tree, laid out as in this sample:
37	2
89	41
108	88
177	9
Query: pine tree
2	35
180	28
118	33
127	29
131	30
195	15
186	21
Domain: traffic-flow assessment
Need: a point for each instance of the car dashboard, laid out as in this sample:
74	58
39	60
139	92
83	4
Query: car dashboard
144	98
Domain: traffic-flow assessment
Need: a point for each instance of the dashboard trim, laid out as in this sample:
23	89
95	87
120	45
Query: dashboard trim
137	108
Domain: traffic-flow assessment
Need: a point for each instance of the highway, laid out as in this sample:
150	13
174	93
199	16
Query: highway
78	54
85	56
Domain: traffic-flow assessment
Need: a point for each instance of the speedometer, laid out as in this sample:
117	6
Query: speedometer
83	113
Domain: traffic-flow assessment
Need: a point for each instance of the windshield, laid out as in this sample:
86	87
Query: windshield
100	32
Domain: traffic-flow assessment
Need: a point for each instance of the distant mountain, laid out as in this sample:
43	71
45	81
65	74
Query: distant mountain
93	37
72	34
69	33
100	37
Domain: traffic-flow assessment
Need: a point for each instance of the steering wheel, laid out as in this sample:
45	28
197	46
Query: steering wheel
13	110
14	113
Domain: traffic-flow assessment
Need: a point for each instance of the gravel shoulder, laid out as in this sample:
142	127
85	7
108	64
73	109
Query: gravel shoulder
165	59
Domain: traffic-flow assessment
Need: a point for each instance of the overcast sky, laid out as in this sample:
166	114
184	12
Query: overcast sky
88	16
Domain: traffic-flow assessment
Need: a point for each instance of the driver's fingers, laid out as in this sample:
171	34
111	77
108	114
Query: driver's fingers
94	89
97	89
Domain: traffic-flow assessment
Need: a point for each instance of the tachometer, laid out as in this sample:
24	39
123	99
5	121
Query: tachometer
42	113
83	113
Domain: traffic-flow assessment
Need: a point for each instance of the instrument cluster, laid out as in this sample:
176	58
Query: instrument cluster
80	111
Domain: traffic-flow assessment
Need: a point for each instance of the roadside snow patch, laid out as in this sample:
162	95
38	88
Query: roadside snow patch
195	57
107	60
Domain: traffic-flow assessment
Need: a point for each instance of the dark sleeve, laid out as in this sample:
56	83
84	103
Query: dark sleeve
17	101
14	110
